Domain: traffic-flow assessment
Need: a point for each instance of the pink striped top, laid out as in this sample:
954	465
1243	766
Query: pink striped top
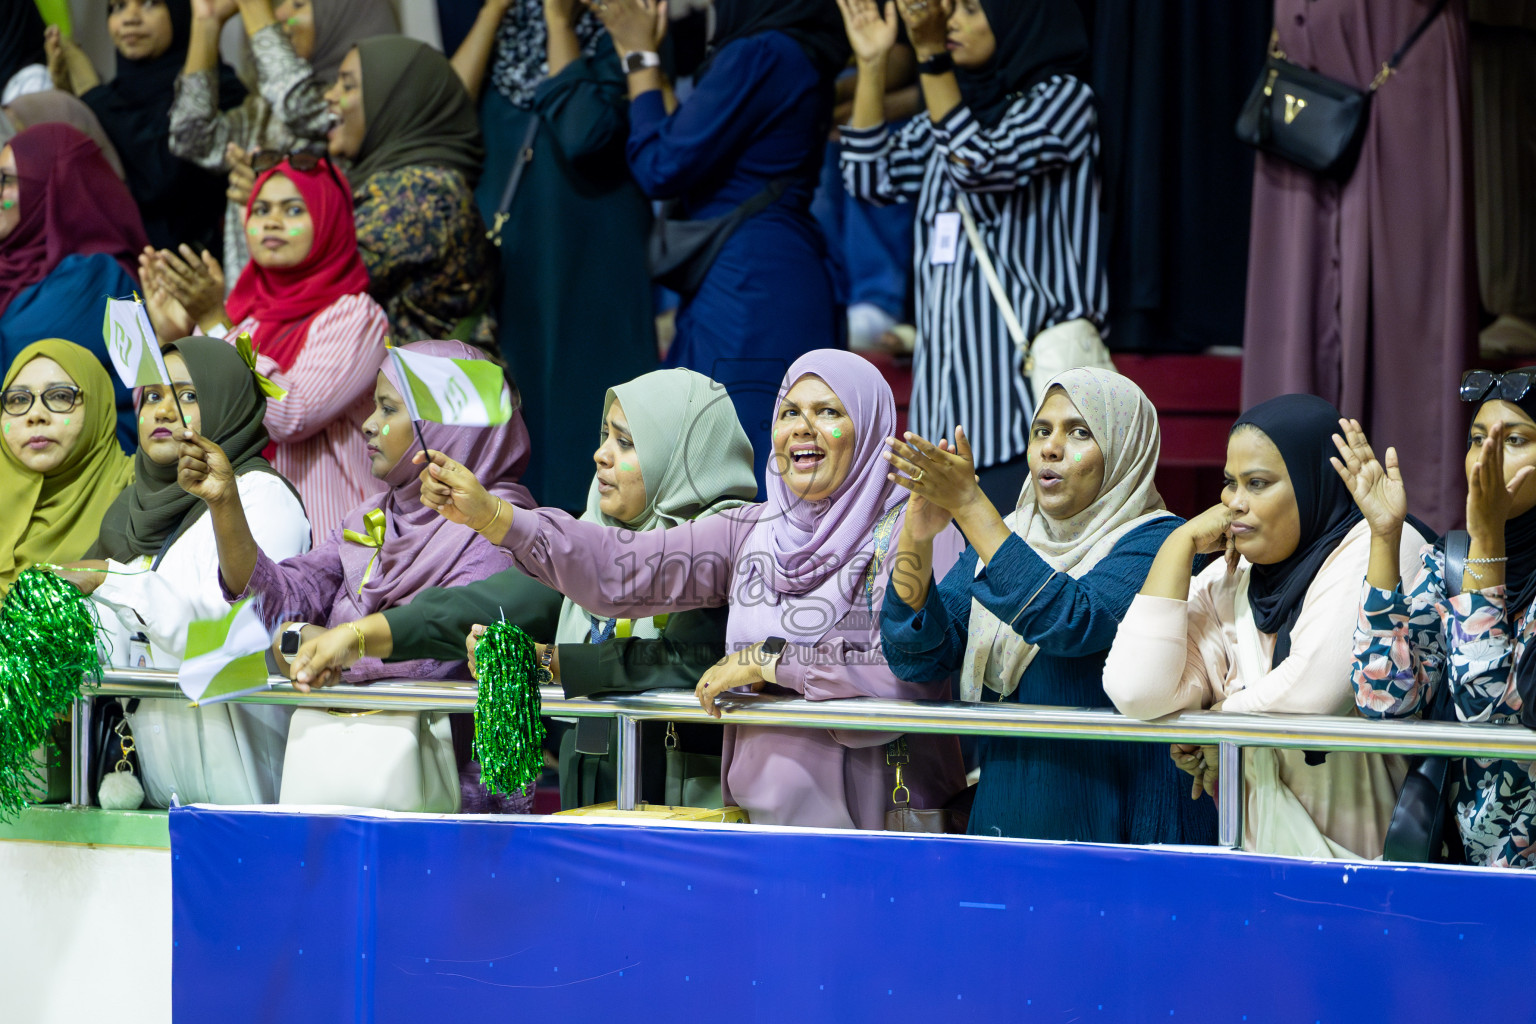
318	427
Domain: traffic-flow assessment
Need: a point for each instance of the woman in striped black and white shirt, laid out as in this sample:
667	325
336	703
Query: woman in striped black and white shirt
1012	134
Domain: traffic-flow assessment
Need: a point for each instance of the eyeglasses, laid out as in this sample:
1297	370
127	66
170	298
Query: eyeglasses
1483	385
263	160
61	398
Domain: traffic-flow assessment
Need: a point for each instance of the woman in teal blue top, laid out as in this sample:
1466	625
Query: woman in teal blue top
1030	610
69	236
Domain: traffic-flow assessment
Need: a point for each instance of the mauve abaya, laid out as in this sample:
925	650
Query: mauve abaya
1365	293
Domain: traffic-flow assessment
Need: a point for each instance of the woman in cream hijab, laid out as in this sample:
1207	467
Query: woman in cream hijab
1030	610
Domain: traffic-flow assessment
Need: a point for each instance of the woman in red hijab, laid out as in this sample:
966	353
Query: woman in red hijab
68	234
304	300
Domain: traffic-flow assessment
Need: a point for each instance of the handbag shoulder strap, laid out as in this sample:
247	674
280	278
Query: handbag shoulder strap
1402	51
520	161
1455	545
994	285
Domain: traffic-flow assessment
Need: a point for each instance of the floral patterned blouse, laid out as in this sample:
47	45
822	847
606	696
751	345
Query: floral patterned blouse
1406	646
423	241
287	113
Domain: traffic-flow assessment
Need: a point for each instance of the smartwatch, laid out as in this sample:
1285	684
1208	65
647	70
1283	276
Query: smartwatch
293	636
774	646
639	60
938	64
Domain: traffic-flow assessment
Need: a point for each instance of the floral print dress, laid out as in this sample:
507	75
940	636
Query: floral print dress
1408	646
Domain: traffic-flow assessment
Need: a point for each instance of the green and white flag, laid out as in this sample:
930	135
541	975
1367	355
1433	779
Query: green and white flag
460	392
132	344
226	657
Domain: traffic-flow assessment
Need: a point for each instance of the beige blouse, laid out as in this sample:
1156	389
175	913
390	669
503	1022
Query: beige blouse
1174	655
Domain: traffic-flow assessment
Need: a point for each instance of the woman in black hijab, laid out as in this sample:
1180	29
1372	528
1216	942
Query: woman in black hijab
1003	170
1466	655
179	201
1270	627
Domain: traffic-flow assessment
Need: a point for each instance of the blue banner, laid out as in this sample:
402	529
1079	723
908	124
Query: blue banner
295	918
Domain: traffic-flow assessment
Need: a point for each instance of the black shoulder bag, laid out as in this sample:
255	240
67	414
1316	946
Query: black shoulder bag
1422	822
1312	120
682	251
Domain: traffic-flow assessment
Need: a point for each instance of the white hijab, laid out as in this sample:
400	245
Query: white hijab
1124	425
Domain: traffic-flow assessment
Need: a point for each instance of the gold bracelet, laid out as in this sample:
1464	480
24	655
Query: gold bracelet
494	518
362	641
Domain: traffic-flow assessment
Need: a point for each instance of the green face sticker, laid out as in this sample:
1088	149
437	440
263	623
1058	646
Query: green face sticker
626	467
1078	457
66	421
385	431
293	232
7	428
254	229
9	204
293	21
837	431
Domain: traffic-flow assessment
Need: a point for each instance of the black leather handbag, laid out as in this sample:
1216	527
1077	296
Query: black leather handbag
1312	120
1422	825
682	251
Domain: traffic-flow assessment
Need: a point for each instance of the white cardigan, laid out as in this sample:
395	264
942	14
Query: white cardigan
184	588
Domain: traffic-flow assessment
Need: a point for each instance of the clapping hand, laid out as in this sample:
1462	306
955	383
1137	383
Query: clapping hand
871	28
942	474
635	25
927	24
1489	498
1377	488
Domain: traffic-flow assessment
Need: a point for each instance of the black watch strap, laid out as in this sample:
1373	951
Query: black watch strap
938	64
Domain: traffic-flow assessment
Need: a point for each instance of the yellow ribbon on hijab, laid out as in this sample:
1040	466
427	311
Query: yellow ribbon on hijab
247	349
374	538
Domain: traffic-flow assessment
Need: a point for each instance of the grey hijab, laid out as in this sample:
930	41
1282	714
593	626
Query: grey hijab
694	457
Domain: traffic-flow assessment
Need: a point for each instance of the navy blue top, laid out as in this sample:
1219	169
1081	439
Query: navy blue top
1054	789
759	114
71	303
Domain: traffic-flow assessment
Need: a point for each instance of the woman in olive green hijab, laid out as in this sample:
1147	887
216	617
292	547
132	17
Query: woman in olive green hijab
61	467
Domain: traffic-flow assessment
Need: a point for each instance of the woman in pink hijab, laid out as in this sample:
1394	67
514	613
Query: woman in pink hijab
804	575
387	549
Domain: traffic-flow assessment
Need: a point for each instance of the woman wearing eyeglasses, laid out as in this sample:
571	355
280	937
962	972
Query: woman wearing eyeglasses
1464	636
318	335
60	465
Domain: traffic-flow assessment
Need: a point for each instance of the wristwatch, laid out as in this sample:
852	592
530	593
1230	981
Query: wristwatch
938	64
542	673
639	60
774	646
293	636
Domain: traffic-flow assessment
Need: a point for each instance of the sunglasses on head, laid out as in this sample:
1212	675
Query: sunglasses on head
1485	385
263	160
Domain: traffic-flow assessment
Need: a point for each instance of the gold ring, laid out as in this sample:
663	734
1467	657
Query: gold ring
919	478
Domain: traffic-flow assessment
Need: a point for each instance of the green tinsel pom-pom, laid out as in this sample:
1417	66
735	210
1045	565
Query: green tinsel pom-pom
47	652
509	734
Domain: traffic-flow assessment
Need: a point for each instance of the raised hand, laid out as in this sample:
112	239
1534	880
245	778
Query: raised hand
635	25
169	318
241	178
1376	488
871	28
214	10
942	474
927	24
1489	497
456	495
196	281
204	470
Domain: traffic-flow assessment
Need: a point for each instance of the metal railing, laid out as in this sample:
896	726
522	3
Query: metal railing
1231	732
